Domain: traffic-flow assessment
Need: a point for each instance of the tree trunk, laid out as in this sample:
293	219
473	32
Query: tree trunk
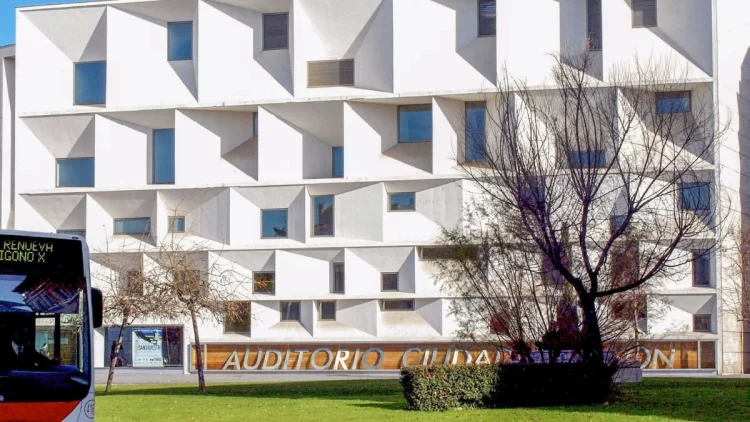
593	348
116	354
198	354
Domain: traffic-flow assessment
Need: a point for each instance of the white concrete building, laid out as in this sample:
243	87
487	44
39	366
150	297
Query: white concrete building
316	142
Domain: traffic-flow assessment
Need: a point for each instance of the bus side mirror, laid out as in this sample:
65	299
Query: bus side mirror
97	307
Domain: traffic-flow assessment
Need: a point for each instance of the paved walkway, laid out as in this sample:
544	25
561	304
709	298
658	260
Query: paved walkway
130	376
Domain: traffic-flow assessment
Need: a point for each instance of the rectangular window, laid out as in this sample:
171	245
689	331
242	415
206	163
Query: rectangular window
163	156
616	222
587	159
487	17
644	13
264	283
179	41
398	305
75	172
325	73
274	223
338	161
134	283
531	195
435	253
133	225
339	283
404	201
79	233
290	311
327	311
695	196
594	24
275	31
176	224
673	102
237	318
415	123
323	221
90	83
255	124
702	323
701	268
476	132
389	282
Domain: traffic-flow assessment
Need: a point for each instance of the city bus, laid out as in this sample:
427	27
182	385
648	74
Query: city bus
48	312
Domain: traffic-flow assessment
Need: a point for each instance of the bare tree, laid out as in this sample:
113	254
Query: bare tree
178	277
605	180
736	286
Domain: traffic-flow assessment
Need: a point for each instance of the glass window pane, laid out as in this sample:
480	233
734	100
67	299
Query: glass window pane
237	318
695	196
177	224
323	210
415	123
90	83
673	102
255	124
164	156
275	31
274	223
587	159
75	172
398	305
702	323
290	311
133	226
701	268
328	311
338	278
264	283
390	282
180	40
436	253
476	137
487	17
338	161
405	201
80	233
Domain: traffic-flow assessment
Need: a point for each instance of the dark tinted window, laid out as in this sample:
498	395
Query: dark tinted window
275	31
237	319
415	123
587	159
75	172
328	311
264	283
701	268
180	41
673	102
404	201
323	216
163	156
90	83
436	252
487	17
476	135
390	282
338	278
702	323
290	311
695	196
176	224
398	305
644	13
594	24
274	223
338	161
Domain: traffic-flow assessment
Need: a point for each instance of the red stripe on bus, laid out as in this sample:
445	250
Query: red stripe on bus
36	412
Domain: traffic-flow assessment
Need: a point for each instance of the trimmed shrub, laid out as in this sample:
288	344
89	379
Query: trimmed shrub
443	387
556	384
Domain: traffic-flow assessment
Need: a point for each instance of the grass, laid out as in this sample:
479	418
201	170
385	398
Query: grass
381	400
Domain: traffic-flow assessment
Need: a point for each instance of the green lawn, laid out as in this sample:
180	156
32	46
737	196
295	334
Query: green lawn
654	399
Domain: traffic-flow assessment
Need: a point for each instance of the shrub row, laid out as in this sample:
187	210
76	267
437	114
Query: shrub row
442	387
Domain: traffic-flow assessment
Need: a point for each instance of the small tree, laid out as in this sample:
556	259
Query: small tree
128	295
593	174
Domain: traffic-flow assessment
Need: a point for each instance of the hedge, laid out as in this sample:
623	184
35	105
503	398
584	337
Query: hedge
443	387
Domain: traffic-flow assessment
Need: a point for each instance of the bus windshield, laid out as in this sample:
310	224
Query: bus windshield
44	327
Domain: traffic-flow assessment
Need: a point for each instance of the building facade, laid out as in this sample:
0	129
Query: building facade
315	145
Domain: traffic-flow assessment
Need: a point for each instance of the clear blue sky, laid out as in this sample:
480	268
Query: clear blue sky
8	16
